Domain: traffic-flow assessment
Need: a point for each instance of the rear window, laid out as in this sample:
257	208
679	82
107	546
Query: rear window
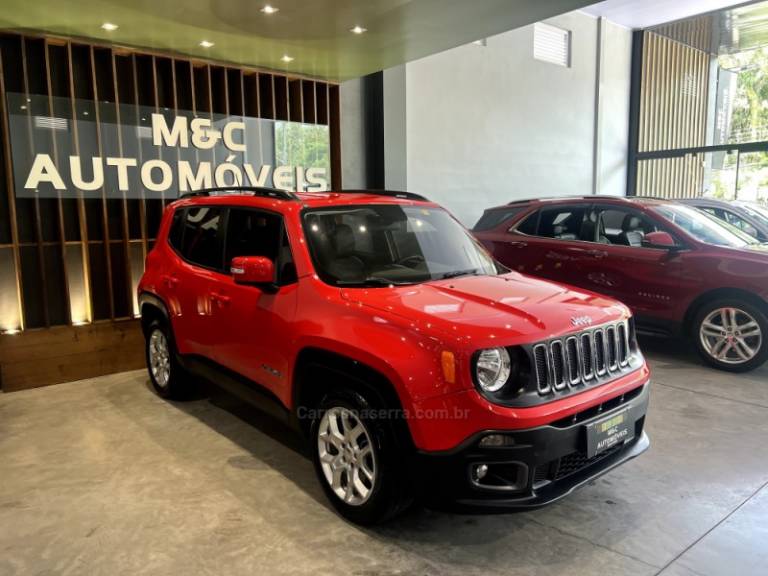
493	218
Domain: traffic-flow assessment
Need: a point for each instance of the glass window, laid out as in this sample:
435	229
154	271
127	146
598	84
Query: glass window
252	233
563	223
624	226
701	226
201	243
177	229
736	220
380	245
530	225
493	218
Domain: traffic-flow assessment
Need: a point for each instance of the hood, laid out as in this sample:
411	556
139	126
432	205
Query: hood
504	309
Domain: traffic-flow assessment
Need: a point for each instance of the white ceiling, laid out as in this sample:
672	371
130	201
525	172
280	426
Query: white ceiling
647	13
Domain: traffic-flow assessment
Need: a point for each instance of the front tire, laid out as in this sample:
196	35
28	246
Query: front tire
165	373
731	335
359	460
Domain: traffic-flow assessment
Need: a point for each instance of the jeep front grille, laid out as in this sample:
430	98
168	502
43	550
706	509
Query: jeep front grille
594	354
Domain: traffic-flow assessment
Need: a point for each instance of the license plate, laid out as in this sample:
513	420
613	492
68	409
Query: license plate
608	432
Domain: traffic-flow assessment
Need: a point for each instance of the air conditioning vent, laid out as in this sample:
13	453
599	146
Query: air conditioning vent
552	44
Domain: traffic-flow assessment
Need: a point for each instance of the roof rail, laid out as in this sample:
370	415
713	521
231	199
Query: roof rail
392	193
245	190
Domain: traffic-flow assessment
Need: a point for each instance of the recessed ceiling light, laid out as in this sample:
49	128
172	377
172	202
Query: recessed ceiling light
482	42
269	9
109	27
287	58
206	44
358	30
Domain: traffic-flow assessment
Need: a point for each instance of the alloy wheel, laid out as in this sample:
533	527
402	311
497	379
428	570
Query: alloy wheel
731	335
346	455
159	358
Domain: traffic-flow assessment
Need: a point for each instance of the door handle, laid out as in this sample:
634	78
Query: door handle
597	253
169	281
220	299
517	244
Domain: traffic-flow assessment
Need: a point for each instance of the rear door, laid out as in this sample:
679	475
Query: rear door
198	250
548	243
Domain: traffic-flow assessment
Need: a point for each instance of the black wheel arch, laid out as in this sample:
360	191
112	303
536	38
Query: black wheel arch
720	294
152	308
316	373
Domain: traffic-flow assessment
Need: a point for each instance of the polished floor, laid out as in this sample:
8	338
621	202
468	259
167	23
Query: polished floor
103	477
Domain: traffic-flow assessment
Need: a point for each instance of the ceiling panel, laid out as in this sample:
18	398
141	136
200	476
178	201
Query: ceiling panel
315	33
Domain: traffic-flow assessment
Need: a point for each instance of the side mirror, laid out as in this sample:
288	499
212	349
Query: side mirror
257	270
661	240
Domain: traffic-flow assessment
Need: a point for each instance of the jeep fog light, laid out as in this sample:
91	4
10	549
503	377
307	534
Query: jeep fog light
493	368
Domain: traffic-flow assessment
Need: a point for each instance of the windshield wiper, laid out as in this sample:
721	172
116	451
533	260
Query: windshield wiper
372	281
457	273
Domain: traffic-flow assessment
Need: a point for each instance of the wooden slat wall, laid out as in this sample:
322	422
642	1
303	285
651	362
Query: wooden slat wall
673	115
93	249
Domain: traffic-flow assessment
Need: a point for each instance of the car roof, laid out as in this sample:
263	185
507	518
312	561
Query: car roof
705	202
604	198
260	197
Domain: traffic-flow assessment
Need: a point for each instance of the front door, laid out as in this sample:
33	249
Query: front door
622	266
253	323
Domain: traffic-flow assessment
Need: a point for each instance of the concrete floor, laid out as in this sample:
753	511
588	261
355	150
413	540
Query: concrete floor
103	477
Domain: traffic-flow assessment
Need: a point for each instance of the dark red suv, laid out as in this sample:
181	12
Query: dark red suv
384	331
680	270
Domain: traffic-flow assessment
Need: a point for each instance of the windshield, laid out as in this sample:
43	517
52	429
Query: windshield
701	226
379	245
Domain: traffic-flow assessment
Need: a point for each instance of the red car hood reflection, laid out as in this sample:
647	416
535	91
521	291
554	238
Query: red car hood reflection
492	307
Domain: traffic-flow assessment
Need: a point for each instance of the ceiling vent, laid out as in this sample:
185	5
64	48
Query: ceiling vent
552	44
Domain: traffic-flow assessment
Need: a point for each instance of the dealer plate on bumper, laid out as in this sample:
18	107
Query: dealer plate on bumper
608	432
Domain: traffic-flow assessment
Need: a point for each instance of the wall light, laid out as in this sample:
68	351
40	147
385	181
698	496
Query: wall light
269	9
207	44
358	30
287	58
109	27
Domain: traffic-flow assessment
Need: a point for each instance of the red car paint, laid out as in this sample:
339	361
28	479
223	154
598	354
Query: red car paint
399	331
660	286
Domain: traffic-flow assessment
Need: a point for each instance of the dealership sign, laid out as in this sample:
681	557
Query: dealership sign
166	154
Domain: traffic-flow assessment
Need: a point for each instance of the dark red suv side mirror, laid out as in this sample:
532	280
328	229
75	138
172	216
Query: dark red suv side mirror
659	240
253	270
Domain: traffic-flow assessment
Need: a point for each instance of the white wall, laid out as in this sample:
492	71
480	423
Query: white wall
613	133
352	134
488	125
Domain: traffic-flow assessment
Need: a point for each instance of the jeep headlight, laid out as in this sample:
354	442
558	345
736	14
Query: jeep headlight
493	368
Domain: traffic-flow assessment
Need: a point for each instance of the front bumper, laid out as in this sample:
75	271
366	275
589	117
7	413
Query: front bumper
541	464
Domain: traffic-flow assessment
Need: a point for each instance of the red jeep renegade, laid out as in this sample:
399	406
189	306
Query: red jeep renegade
376	324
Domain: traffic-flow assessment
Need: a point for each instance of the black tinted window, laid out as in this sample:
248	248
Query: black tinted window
177	229
529	225
493	218
252	233
564	223
201	243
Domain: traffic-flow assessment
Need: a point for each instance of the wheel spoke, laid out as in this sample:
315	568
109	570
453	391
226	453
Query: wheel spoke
743	349
710	329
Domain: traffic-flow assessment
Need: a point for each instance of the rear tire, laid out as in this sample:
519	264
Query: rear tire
165	372
360	460
731	335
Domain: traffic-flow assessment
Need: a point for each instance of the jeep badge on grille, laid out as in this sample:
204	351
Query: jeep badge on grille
581	320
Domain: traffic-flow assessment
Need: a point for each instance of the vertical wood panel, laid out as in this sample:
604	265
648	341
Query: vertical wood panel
673	108
98	239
